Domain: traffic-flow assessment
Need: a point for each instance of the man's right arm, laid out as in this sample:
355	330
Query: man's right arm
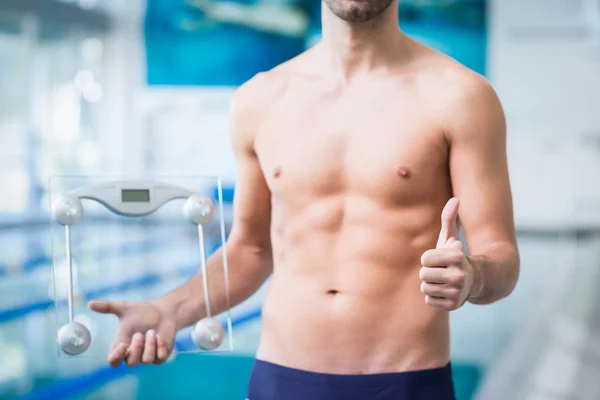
248	246
147	330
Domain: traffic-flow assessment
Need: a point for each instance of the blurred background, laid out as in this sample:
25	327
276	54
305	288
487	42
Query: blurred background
112	87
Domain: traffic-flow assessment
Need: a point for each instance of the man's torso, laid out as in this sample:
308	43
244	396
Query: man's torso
358	176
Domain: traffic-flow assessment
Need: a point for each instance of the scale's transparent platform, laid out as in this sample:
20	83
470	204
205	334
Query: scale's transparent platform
135	239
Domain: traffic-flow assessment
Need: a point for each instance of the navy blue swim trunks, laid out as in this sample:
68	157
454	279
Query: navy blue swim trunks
274	382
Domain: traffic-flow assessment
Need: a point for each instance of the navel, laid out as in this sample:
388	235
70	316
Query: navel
403	172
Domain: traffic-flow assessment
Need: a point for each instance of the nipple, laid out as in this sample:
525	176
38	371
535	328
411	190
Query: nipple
277	172
403	172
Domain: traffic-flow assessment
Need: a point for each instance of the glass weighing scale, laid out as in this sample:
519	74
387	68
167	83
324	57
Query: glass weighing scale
134	198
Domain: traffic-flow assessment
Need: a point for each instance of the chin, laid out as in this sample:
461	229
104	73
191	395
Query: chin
357	11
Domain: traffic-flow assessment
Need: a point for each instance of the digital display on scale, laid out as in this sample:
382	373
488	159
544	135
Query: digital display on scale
135	196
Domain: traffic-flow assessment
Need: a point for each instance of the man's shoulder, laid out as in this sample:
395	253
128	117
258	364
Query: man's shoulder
455	94
260	89
266	87
465	85
451	80
461	97
252	100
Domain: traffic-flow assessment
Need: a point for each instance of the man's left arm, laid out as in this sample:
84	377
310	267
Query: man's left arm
480	180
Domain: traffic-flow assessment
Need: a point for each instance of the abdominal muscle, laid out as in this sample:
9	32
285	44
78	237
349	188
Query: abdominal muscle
345	294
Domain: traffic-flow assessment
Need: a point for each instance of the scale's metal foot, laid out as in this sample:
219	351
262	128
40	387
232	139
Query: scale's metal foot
67	210
208	334
74	338
199	209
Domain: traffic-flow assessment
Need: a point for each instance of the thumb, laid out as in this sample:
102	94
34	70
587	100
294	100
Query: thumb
107	307
454	243
449	225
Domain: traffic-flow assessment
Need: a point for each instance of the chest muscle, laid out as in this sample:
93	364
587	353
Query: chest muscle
392	157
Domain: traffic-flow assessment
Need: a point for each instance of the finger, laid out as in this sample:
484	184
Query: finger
123	336
107	307
449	225
162	352
117	354
452	276
440	290
442	304
134	352
442	258
149	354
432	275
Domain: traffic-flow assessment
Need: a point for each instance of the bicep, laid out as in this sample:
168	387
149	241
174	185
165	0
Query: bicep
479	173
252	202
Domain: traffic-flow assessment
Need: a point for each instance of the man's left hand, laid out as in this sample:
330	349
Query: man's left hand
447	276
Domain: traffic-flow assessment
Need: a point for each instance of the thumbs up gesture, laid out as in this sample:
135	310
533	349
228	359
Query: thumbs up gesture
447	276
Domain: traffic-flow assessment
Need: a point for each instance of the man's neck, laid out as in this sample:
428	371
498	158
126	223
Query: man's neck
350	49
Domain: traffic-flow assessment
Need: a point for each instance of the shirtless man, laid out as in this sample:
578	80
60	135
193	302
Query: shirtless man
348	155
